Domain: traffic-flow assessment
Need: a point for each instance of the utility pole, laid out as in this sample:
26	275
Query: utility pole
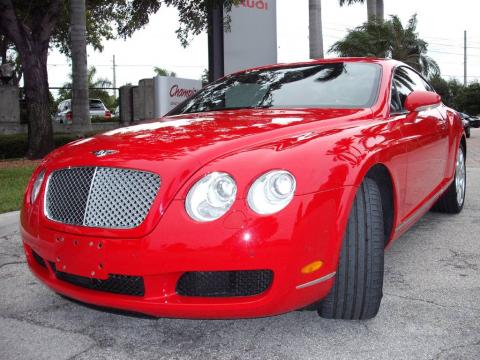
114	78
465	58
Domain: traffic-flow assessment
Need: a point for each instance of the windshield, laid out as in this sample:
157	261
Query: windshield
328	85
96	105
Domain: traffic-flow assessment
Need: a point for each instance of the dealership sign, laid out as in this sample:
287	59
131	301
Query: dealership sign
171	91
252	40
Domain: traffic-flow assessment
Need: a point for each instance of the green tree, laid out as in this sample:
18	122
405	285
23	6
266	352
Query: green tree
374	8
456	88
163	72
467	98
443	89
457	96
33	26
389	39
97	89
205	77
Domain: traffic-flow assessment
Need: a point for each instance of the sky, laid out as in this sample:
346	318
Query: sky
440	22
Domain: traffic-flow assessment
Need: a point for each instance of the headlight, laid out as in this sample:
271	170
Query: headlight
271	192
36	186
211	197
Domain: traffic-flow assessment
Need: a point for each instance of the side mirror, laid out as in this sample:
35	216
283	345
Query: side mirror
422	100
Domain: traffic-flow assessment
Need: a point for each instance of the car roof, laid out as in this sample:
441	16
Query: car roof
389	63
88	100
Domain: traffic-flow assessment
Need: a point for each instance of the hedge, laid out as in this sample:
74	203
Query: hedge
101	119
15	145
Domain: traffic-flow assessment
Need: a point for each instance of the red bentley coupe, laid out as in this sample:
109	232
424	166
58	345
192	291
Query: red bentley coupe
270	190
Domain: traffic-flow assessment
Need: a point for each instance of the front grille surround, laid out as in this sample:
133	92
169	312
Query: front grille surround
100	197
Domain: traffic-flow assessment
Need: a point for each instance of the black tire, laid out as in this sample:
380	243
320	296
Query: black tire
357	290
467	133
448	202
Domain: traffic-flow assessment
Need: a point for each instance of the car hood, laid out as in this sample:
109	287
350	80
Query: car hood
178	146
165	144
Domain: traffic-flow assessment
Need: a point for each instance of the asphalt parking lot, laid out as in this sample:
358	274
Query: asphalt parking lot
430	309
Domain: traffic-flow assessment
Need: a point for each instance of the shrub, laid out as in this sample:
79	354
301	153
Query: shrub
101	119
15	145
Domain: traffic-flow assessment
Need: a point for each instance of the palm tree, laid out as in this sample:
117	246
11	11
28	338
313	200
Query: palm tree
204	77
374	8
315	29
95	85
78	43
379	10
388	39
163	72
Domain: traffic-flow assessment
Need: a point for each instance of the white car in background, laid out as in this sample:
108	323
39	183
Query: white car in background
96	106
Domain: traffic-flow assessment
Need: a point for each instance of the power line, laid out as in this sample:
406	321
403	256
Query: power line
445	52
455	46
134	65
460	76
349	26
114	75
341	27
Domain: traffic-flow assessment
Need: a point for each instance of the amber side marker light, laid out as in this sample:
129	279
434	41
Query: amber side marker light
312	267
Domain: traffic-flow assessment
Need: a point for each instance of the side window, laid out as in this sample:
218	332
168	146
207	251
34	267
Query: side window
395	103
404	82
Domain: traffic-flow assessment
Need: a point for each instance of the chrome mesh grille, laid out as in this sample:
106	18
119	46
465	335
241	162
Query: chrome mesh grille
224	283
100	196
127	193
67	194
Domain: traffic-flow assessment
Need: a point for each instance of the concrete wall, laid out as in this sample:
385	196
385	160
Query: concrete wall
126	104
10	116
96	127
143	97
137	101
147	86
153	98
59	128
10	110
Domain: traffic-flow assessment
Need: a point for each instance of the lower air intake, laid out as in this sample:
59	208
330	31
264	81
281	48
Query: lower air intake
224	283
39	259
117	284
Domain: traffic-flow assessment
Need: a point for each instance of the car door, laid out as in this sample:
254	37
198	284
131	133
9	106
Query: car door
426	136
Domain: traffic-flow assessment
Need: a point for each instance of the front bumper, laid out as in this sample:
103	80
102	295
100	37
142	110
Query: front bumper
310	229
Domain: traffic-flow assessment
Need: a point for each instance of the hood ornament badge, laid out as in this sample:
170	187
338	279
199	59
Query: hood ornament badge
102	153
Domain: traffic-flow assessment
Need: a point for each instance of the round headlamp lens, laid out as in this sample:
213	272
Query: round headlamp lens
282	185
271	192
211	197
